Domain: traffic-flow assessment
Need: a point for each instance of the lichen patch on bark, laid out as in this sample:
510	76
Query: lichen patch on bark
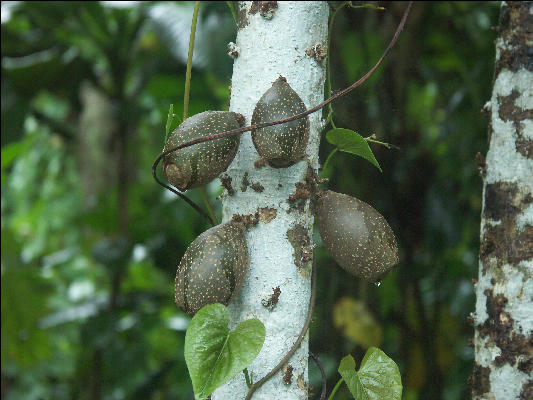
298	237
267	214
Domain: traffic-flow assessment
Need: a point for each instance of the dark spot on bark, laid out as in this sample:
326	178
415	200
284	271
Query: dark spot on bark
506	245
480	161
526	366
524	146
499	200
298	237
527	390
257	187
508	111
504	242
317	52
245	182
267	214
248	220
479	380
260	163
299	198
515	30
304	191
242	18
226	182
287	374
272	299
499	330
266	8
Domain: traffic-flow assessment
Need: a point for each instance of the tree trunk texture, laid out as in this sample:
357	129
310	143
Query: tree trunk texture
272	40
503	318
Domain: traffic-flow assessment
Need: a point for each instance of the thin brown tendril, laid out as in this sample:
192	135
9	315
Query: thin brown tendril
321	368
189	201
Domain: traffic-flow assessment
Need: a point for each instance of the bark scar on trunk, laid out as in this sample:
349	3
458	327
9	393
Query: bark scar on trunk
504	243
499	330
480	380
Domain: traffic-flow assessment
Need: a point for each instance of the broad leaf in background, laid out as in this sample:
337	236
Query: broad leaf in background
377	379
351	142
213	354
357	322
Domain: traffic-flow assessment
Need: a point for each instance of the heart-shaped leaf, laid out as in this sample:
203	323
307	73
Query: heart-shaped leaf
213	354
350	376
377	379
380	376
351	142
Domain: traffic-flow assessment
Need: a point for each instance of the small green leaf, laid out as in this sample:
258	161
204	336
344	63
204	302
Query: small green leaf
170	118
213	354
377	379
350	376
351	142
380	376
13	150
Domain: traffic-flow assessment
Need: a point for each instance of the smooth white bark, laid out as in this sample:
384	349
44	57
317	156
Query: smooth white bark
269	48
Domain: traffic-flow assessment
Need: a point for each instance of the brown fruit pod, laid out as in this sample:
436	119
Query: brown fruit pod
213	268
197	165
284	144
357	237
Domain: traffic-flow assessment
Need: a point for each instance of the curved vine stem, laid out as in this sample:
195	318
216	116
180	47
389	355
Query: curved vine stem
187	92
296	344
211	218
340	94
324	379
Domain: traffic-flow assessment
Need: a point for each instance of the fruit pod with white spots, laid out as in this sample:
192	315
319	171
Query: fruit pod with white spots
284	144
357	237
213	268
197	165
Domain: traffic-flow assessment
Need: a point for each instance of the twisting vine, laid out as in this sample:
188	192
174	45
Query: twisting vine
241	130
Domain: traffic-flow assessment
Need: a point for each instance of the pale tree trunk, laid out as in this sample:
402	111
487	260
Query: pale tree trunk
504	308
273	42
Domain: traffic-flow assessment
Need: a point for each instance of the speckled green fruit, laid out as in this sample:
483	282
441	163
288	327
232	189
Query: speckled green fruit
356	235
213	268
196	165
284	144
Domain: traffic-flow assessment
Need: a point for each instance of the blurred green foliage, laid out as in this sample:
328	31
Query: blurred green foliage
86	88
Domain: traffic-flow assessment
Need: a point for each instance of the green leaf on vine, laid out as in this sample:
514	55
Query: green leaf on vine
351	142
213	354
378	377
170	118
